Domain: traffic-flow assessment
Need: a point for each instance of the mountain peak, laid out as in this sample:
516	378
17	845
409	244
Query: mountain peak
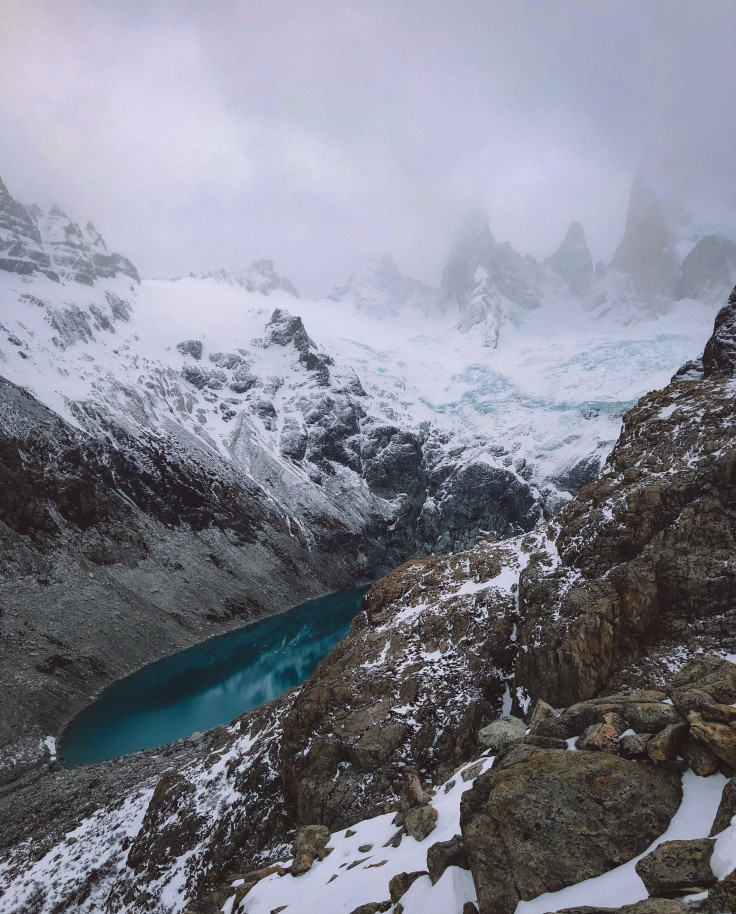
378	287
572	260
644	253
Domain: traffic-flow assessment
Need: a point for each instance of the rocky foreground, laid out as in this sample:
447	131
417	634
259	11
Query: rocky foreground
634	580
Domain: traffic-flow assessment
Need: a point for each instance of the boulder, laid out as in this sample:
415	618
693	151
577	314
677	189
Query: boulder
720	738
634	745
678	868
665	746
421	822
499	733
699	757
687	700
706	673
310	844
444	854
642	711
596	810
541	712
400	884
603	737
726	808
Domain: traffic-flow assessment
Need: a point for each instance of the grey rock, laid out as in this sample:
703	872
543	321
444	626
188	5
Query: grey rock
678	868
594	809
310	844
726	808
499	733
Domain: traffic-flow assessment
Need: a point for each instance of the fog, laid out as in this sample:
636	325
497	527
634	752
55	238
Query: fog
319	133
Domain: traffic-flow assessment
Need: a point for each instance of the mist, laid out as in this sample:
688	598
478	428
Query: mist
320	133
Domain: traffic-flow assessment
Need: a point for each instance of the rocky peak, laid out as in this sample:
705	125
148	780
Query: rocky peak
52	244
378	287
21	249
645	252
261	277
719	356
490	283
710	265
572	260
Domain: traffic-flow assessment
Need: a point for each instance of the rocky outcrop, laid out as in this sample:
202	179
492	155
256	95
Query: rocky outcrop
719	355
677	868
595	810
379	289
645	550
490	283
51	244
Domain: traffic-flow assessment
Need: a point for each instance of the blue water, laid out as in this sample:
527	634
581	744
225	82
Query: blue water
211	683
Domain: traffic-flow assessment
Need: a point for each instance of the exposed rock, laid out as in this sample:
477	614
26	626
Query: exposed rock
603	737
541	712
726	808
699	757
421	822
400	884
642	711
373	907
706	674
719	738
719	355
648	906
596	810
472	771
193	348
572	260
634	745
310	844
444	854
499	733
666	745
678	868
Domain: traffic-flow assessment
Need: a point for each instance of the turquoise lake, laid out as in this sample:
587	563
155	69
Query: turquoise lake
211	683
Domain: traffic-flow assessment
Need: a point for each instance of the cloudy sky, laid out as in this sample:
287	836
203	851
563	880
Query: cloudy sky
198	135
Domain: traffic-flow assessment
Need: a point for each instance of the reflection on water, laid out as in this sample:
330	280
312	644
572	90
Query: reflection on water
211	683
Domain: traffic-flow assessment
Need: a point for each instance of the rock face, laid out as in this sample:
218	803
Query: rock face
719	356
646	548
572	261
595	810
489	283
644	252
379	289
51	244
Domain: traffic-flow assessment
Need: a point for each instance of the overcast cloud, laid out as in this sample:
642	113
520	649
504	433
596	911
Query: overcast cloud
197	135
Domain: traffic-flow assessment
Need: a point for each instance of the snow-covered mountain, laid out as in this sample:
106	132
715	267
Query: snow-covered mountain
304	444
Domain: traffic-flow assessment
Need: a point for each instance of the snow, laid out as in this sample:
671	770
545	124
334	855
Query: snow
552	393
723	861
621	885
318	891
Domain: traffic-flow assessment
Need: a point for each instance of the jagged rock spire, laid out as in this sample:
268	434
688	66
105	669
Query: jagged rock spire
572	260
719	356
644	252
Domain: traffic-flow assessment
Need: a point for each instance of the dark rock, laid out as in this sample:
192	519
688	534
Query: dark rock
444	854
634	745
541	712
544	742
191	347
719	355
373	907
400	884
469	908
472	771
726	808
596	811
678	868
